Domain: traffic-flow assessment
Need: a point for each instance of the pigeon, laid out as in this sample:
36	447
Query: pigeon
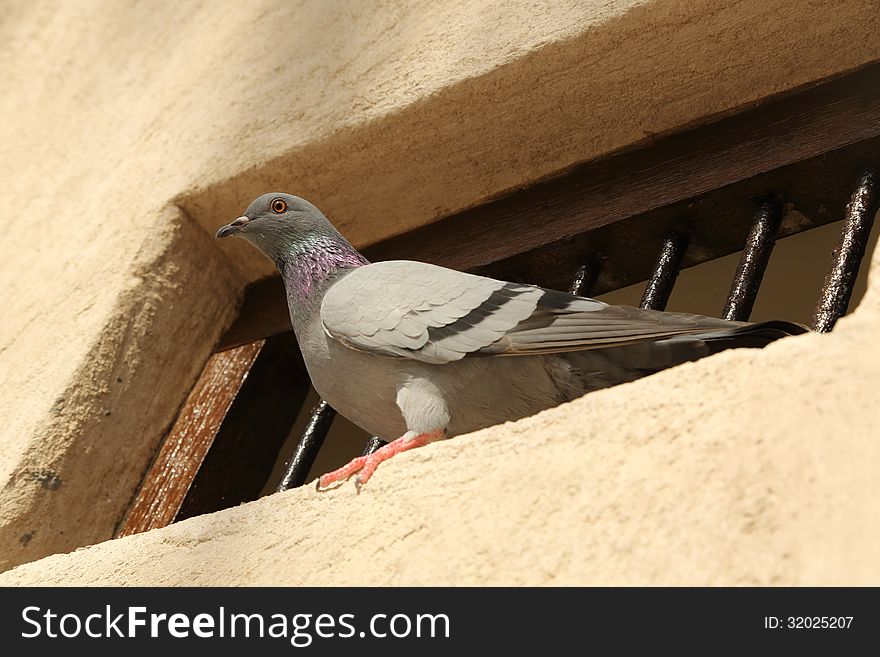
413	352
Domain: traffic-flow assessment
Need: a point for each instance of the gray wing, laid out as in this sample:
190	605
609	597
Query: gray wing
437	315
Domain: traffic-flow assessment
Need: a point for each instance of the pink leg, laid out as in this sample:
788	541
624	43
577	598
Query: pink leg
366	465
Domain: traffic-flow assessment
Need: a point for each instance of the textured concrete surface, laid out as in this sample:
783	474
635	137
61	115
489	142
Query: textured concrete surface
116	152
749	467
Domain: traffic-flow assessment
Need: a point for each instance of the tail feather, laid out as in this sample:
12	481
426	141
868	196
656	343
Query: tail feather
629	362
751	335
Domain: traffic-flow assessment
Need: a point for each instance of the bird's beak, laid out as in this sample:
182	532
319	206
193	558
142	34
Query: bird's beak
232	228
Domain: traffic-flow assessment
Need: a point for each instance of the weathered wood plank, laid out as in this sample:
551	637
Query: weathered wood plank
248	442
813	193
182	453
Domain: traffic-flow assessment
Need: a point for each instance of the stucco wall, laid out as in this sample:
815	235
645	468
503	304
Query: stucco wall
128	128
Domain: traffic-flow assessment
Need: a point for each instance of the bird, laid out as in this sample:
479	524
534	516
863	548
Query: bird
413	352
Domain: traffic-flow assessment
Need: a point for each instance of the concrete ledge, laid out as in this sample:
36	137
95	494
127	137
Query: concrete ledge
99	434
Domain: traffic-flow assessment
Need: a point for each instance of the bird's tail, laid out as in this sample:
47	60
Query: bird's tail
751	335
636	360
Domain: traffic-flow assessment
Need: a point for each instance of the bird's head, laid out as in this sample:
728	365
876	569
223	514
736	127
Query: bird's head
280	225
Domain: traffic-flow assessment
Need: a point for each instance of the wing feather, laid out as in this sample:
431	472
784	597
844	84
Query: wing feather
437	315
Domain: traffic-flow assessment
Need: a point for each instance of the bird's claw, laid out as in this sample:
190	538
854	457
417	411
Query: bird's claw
321	487
335	479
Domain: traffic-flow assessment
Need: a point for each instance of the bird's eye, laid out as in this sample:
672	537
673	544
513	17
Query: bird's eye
279	206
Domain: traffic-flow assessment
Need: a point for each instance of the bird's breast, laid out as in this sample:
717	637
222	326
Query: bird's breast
359	385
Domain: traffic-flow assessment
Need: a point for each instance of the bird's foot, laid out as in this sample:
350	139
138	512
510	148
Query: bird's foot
365	466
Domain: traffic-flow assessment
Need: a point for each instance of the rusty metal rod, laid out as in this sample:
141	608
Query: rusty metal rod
660	286
298	465
585	277
848	254
753	262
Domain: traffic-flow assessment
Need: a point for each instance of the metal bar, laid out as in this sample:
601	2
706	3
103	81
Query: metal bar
660	286
585	277
848	254
297	467
372	445
753	262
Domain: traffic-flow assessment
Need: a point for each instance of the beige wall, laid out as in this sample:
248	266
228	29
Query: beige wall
129	128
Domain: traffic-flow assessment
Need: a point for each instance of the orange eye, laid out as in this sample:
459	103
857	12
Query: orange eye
279	206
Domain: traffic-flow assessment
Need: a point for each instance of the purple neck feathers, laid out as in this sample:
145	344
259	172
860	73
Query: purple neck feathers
307	270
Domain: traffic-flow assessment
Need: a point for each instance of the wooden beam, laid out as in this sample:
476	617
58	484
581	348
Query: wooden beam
184	449
246	448
225	440
813	192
